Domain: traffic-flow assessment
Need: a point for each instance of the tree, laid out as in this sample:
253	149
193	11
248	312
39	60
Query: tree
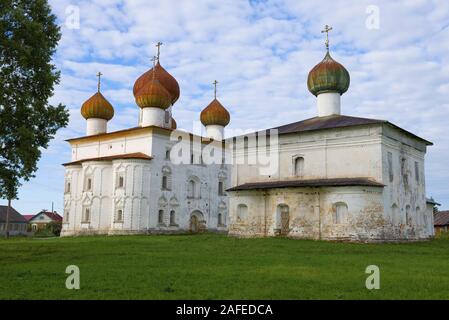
28	39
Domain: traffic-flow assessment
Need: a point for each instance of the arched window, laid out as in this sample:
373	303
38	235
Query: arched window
220	219
220	188
66	216
88	184
166	178
67	187
121	181
86	215
408	217
160	218
172	218
340	212
242	212
418	215
193	189
395	214
119	215
299	166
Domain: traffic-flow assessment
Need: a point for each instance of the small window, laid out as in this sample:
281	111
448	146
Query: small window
390	166
341	213
167	116
86	216
67	187
416	171
407	215
66	216
119	217
242	211
121	181
88	184
191	189
404	171
172	218
164	182
160	218
220	188
167	154
220	219
299	166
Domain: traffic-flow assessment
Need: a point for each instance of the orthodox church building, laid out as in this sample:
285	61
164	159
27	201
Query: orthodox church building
333	177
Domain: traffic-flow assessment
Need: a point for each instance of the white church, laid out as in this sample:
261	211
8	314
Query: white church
331	177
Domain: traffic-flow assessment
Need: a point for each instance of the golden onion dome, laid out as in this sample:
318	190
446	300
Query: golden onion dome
153	94
215	114
165	78
328	76
97	107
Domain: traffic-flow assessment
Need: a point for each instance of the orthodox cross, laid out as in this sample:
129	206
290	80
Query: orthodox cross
326	30
158	45
99	74
215	88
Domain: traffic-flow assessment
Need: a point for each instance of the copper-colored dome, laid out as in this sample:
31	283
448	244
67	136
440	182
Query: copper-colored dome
215	114
174	125
328	76
153	94
97	107
165	78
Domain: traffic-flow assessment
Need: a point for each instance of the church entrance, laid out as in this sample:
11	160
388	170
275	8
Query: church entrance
284	219
197	223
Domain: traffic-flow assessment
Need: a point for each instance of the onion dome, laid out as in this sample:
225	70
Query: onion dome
174	125
215	114
153	94
165	78
97	107
328	76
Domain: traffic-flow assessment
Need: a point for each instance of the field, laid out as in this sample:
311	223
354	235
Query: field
213	266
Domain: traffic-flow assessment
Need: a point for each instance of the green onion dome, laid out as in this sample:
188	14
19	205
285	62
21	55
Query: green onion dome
328	76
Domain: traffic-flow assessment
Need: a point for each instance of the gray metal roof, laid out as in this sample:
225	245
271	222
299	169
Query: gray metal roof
14	216
334	182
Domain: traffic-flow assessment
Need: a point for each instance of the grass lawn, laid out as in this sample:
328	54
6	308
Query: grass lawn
213	266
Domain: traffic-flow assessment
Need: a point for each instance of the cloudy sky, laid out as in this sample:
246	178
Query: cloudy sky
260	52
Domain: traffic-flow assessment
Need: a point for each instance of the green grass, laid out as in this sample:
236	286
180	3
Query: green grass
220	267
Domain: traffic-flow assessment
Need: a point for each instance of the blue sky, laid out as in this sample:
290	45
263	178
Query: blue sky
261	53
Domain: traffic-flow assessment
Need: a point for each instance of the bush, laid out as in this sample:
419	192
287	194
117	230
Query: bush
54	228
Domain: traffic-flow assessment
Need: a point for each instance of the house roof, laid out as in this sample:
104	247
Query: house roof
441	218
336	121
14	216
28	216
136	155
335	182
52	215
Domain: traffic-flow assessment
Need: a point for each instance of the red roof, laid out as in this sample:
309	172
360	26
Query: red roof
28	216
54	216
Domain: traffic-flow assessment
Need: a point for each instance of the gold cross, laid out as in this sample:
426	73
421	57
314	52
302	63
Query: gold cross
326	30
215	88
158	45
99	74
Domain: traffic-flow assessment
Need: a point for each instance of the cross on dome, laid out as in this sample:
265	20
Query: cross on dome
215	88
99	74
326	30
158	45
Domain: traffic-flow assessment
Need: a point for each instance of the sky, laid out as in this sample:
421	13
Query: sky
260	52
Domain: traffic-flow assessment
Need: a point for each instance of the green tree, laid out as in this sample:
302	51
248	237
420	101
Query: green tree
28	39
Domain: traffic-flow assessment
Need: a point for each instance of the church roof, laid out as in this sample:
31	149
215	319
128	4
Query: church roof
334	182
336	121
136	155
